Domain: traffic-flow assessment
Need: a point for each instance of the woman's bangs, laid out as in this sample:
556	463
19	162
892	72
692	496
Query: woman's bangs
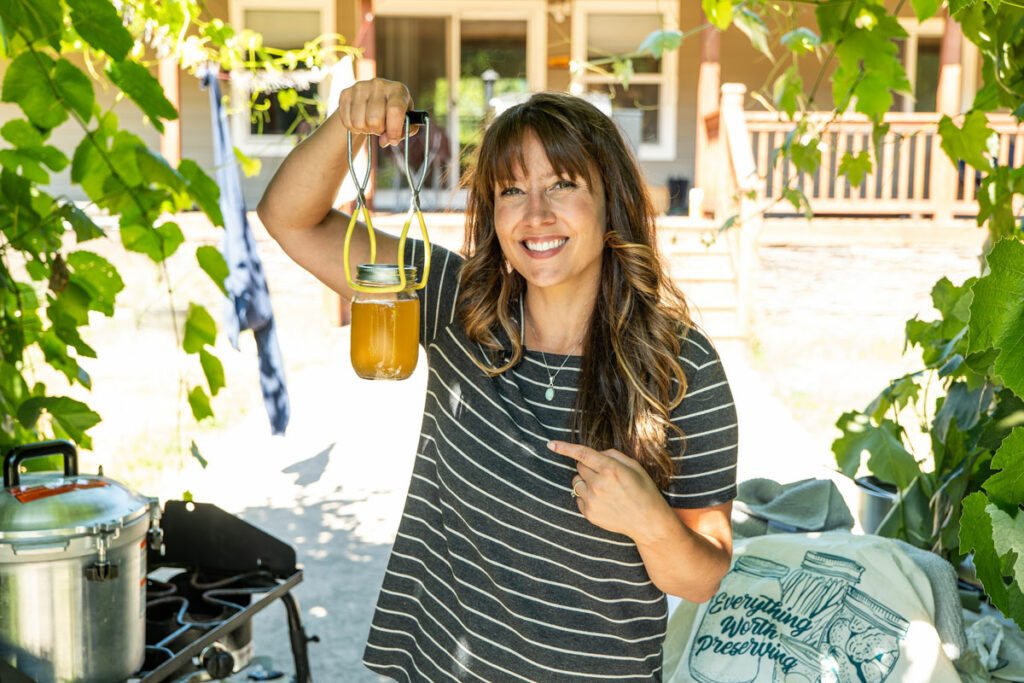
564	147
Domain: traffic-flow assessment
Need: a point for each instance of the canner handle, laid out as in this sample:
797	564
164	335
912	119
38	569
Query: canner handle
40	449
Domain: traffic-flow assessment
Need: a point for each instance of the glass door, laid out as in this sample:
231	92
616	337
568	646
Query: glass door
413	50
492	76
486	59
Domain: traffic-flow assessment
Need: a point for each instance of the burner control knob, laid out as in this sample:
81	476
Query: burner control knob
217	662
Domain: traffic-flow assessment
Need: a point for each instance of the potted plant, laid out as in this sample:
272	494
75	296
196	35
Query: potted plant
958	487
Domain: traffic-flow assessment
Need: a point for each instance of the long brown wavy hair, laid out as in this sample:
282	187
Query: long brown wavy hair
630	377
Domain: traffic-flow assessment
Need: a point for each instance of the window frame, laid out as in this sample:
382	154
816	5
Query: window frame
931	28
271	144
667	79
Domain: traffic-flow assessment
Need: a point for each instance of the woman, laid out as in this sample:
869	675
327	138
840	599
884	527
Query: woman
577	457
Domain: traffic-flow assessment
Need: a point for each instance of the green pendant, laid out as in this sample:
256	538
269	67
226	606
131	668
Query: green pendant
549	393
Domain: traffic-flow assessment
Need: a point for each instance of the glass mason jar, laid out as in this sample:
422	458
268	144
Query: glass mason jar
385	325
730	644
815	591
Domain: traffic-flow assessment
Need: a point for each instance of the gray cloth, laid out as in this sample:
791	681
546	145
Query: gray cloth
764	506
949	617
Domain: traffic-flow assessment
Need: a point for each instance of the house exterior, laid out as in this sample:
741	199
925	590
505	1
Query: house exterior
462	59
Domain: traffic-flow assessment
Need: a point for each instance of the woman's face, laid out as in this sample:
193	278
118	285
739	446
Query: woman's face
551	228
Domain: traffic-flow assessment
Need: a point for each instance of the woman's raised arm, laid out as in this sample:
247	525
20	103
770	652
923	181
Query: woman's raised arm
297	206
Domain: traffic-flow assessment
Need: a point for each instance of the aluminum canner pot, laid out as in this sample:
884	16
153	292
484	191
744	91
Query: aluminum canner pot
72	570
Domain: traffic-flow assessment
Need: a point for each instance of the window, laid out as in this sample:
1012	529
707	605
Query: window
646	110
267	129
919	52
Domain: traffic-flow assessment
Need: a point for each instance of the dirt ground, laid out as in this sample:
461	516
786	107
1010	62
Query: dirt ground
829	334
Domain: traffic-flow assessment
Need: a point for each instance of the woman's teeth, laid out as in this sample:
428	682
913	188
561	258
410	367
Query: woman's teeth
547	245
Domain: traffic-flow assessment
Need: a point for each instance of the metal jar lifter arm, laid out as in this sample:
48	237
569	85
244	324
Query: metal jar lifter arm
415	184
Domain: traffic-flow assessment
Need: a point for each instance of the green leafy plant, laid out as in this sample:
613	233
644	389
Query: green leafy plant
963	495
55	53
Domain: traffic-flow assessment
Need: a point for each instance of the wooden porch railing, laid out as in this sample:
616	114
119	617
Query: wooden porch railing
912	176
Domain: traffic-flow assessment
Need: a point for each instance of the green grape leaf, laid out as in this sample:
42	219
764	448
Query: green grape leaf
23	134
75	88
755	30
24	164
171	238
73	417
888	459
203	188
997	541
139	84
55	351
787	90
213	264
84	227
250	166
194	450
156	170
974	143
1007	485
98	277
801	41
963	405
952	301
213	369
88	167
925	9
660	41
798	199
200	404
957	5
855	166
200	329
997	312
27	84
98	23
718	12
623	70
39	19
805	156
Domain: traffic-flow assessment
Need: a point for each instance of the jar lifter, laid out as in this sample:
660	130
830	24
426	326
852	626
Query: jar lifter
415	117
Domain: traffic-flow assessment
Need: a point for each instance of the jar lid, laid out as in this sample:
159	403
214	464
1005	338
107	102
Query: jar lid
833	565
383	274
50	505
875	613
759	566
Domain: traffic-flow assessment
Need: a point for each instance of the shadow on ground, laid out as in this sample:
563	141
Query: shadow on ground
341	577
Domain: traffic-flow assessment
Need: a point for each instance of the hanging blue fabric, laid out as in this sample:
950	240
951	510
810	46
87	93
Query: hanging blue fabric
248	304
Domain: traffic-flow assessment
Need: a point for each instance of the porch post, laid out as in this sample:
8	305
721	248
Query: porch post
169	75
708	92
947	101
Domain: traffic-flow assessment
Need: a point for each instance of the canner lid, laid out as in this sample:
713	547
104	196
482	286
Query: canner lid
52	506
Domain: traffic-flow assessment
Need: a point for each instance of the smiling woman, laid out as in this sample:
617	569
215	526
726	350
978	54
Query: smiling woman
578	449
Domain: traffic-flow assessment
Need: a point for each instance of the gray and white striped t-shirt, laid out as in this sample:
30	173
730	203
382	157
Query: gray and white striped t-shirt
495	575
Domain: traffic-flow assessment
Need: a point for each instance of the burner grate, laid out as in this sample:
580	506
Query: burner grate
214	573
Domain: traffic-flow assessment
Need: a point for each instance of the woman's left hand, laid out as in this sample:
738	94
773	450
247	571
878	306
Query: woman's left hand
613	491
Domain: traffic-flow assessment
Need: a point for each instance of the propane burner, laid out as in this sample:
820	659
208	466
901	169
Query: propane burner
215	573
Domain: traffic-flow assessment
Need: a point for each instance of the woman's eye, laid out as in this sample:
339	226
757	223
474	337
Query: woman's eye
509	192
564	185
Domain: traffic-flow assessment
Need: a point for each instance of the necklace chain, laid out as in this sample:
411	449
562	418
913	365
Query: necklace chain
549	393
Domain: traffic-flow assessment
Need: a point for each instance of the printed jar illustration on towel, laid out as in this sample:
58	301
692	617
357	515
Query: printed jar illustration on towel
773	623
862	640
736	639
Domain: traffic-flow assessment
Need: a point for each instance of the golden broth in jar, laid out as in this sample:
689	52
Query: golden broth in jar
385	325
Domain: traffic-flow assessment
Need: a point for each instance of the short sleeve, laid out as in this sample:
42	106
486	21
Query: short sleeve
437	299
705	455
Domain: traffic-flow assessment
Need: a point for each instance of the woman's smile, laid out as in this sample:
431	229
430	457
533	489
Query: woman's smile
551	227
